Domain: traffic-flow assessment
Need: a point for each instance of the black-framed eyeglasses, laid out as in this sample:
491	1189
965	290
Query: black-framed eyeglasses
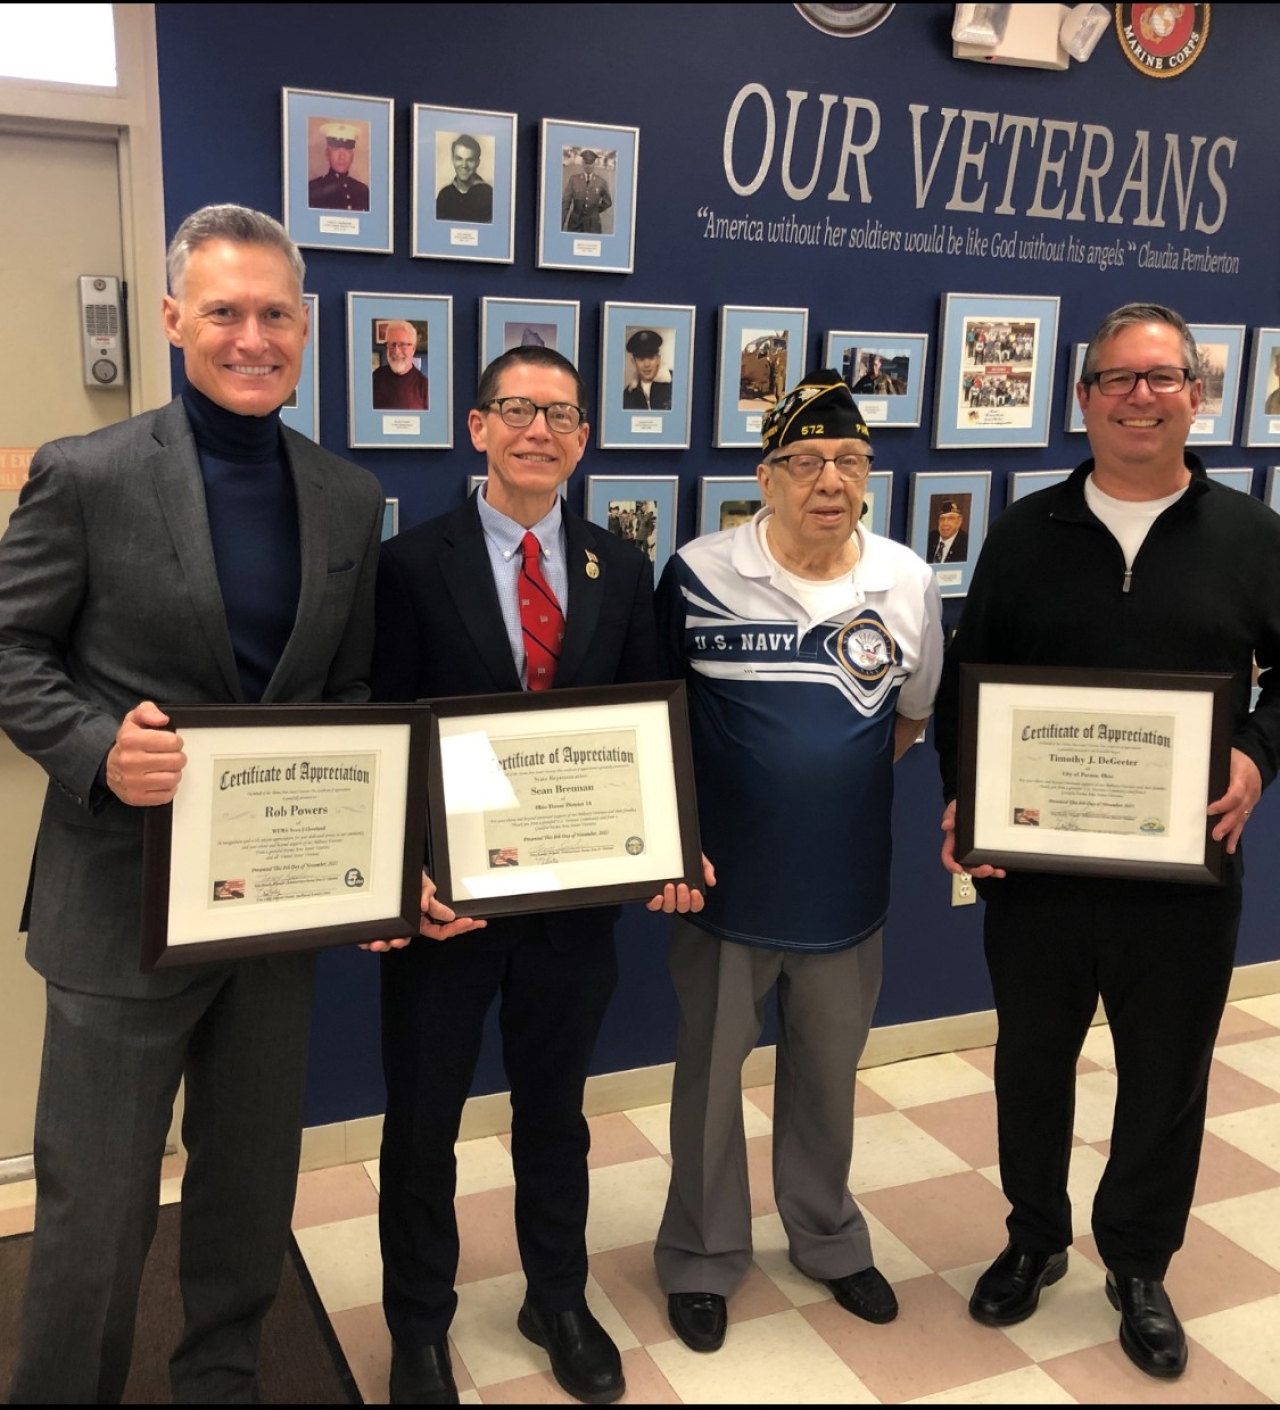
804	469
519	412
1120	381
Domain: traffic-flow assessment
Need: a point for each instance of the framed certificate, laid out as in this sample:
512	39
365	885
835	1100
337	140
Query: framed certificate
1102	773
295	827
554	799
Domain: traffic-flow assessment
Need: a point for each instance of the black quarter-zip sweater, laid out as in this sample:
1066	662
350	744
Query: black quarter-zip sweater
1051	589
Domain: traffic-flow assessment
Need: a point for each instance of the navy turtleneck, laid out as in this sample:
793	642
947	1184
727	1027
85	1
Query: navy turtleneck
253	523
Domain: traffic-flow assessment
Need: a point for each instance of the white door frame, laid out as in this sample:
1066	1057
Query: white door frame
130	115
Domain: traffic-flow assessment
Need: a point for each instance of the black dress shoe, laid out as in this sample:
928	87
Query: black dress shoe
1150	1332
583	1357
699	1319
866	1294
422	1375
1009	1291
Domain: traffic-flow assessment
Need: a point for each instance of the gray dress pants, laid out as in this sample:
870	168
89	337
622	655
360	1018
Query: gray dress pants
825	1004
107	1085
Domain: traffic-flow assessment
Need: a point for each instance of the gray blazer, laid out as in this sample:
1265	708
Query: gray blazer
109	595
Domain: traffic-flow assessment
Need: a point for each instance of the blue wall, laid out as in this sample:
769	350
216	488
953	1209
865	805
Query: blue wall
674	71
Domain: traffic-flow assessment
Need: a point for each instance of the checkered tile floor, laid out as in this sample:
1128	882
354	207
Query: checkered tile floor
924	1170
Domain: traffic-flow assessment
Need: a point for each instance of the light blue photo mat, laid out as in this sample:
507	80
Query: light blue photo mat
563	249
304	415
953	579
453	239
621	428
370	428
304	224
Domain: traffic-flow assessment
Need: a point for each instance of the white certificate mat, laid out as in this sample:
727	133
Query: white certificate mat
562	798
1069	773
298	828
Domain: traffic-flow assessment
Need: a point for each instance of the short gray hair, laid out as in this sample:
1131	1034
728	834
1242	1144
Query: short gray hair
237	224
1130	315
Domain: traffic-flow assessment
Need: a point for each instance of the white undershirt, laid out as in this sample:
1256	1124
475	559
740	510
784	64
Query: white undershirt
1128	519
822	600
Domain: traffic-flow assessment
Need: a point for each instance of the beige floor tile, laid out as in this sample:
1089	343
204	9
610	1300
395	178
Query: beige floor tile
1256	1132
1230	1090
627	1203
931	1346
1248	1019
867	1102
341	1192
1028	1386
947	1222
769	1242
778	1360
1265	1006
925	1079
1211	1273
1098	1047
892	1150
17	1193
1095	1105
1245	1340
373	1169
19	1219
760	1175
1252	1221
487	1234
470	1397
631	1285
1074	1313
654	1123
762	1097
486	1337
344	1261
173	1165
171	1190
1227	1168
1104	1375
755	1121
1086	1170
984	1059
483	1164
646	1385
616	1139
1259	1059
965	1125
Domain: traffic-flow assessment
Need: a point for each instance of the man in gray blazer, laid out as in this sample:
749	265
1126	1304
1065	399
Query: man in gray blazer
201	553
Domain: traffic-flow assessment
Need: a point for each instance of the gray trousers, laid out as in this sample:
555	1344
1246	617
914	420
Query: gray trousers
825	1003
108	1081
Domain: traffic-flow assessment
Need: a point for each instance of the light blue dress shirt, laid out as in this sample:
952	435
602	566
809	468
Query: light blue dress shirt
503	537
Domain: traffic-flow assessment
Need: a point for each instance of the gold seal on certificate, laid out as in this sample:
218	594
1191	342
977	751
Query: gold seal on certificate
554	799
1092	771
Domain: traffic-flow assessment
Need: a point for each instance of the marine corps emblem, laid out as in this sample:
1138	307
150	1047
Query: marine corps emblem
1162	41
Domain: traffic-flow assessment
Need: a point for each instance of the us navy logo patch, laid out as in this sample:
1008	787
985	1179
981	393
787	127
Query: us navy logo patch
866	649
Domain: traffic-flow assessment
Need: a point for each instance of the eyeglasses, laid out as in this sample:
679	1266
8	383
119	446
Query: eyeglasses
1120	381
401	345
519	412
804	469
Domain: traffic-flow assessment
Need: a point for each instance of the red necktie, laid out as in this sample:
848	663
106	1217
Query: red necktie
540	618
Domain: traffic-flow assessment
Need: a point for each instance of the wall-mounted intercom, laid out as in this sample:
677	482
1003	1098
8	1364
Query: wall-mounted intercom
102	331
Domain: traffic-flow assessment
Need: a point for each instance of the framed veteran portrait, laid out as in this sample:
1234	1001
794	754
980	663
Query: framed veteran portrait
464	184
337	163
762	351
587	196
301	412
399	370
641	510
519	323
1262	405
725	501
948	523
646	376
884	371
1221	348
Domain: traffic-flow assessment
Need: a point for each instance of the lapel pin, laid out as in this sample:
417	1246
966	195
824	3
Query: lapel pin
593	565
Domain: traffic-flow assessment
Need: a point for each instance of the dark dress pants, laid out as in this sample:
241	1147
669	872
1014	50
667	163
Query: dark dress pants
434	999
109	1077
1160	957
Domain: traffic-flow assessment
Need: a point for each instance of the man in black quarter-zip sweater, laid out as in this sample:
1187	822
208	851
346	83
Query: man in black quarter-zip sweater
1137	562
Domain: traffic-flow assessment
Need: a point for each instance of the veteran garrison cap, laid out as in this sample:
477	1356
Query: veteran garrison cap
587	156
820	406
644	342
949	506
340	134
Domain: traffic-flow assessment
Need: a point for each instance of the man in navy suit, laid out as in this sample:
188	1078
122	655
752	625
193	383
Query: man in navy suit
449	623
